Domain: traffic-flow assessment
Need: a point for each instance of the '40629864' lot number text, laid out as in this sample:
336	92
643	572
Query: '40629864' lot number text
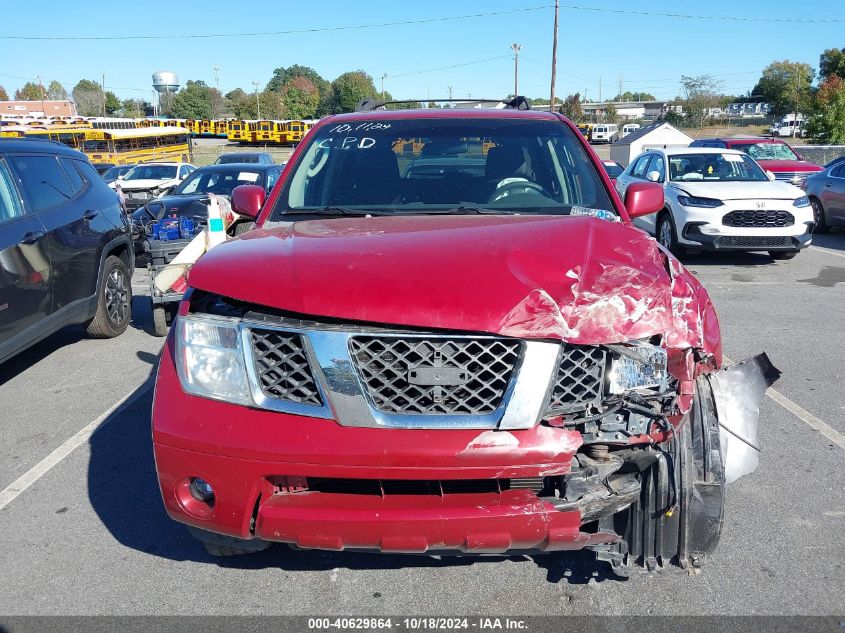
416	623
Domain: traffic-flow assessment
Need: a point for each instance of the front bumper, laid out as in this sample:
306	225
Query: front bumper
261	465
703	229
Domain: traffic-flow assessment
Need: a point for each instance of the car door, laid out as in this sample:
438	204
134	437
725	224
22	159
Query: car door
833	195
72	236
25	300
635	172
656	165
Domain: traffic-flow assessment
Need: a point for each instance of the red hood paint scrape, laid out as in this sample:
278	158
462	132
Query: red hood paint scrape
578	279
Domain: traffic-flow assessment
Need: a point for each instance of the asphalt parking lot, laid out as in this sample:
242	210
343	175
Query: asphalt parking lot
89	534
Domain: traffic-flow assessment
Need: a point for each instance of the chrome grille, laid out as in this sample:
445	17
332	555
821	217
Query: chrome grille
475	373
579	378
758	218
795	177
282	367
756	241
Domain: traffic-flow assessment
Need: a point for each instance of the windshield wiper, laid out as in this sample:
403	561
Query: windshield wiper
332	210
471	210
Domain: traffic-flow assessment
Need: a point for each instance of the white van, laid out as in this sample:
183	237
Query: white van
628	128
605	133
789	126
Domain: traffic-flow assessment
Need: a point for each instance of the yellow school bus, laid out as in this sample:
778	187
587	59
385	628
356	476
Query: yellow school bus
127	147
238	131
263	132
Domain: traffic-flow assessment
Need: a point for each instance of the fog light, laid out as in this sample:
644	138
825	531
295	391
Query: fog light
201	490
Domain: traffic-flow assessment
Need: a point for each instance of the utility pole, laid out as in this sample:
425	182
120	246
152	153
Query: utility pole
516	48
450	91
216	70
41	86
257	100
620	87
554	59
103	87
383	77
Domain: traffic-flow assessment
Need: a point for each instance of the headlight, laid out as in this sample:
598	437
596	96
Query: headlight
693	201
210	361
639	366
803	201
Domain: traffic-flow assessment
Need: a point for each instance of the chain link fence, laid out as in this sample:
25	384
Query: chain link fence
820	154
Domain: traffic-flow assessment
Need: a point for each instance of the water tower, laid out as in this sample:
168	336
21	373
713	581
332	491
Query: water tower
165	83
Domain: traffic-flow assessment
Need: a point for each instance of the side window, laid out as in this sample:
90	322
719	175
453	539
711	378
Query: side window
639	168
838	171
10	204
76	181
657	165
86	170
43	180
272	177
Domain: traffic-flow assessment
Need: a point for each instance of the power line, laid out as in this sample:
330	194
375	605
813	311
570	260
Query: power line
350	27
431	70
570	7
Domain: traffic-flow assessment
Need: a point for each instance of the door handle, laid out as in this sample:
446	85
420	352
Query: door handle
90	214
32	237
828	184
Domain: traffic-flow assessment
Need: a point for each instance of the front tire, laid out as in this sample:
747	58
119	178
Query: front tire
667	237
819	217
114	300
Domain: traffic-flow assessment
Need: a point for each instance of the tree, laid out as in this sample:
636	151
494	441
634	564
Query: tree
133	108
610	114
30	91
832	63
282	76
571	108
89	97
245	105
301	98
700	93
827	114
634	96
112	104
4	96
349	89
193	101
56	91
786	85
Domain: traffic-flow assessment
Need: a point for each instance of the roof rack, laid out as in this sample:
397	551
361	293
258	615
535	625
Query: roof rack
368	104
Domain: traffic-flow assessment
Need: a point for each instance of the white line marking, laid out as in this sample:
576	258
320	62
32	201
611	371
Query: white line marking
35	473
826	250
802	414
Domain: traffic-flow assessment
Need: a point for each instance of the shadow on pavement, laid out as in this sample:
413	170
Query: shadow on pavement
740	259
834	241
123	491
41	350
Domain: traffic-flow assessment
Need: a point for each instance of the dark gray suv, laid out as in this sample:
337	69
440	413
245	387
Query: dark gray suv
65	249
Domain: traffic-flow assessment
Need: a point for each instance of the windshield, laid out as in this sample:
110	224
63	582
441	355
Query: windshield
151	172
238	158
414	166
614	170
113	172
714	168
768	151
217	182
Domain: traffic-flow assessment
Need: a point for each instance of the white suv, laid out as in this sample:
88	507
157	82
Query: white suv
150	180
720	199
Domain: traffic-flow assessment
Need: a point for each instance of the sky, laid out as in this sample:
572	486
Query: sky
598	50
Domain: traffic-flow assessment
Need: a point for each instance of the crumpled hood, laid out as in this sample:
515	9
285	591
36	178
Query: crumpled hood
760	190
571	278
788	165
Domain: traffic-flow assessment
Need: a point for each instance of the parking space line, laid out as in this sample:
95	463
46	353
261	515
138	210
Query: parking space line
802	414
11	492
826	250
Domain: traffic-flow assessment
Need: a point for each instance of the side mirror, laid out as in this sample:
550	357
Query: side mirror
643	198
653	176
247	200
770	175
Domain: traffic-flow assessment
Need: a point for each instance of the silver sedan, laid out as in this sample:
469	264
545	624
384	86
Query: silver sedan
826	190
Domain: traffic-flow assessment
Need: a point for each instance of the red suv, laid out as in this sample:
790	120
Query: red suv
770	153
445	335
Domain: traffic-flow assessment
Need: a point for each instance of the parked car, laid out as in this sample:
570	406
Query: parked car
65	251
150	180
613	169
102	167
190	197
451	361
826	190
770	153
720	199
605	133
113	173
262	158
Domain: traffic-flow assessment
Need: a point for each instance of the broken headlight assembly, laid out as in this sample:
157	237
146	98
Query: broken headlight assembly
637	365
210	361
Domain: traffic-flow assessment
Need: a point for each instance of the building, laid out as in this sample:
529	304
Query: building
37	108
630	110
658	136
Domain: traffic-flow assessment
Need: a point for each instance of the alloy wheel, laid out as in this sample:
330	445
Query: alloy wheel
117	297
